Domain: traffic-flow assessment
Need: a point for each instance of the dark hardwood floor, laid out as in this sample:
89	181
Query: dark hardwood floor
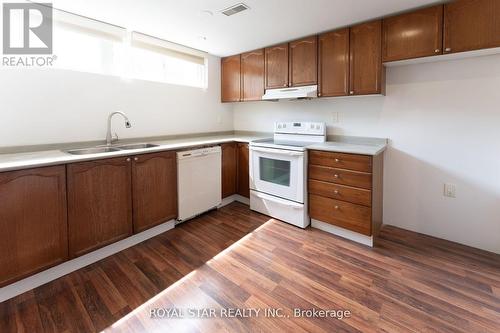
409	282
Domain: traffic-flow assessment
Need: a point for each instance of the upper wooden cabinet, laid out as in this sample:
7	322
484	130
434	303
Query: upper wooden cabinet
33	222
252	73
99	203
276	66
413	35
229	168
303	62
367	74
231	79
471	25
333	63
154	189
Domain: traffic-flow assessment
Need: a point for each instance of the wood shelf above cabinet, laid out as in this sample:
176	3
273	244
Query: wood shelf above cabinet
413	35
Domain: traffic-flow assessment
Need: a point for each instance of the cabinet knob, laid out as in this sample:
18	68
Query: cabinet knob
437	50
336	192
319	94
128	159
335	176
337	160
136	159
285	85
351	92
447	49
336	207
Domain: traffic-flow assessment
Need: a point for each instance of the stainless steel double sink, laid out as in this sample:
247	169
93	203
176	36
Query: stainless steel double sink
110	149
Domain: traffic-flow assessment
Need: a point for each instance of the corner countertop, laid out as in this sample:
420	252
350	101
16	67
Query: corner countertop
18	161
339	144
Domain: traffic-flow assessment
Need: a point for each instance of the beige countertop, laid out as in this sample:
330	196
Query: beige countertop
25	160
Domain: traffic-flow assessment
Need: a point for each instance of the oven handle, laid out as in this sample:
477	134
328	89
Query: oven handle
277	151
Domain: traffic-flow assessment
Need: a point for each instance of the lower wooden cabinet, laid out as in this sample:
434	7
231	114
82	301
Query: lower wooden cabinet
154	189
229	168
345	190
243	185
235	177
99	203
33	224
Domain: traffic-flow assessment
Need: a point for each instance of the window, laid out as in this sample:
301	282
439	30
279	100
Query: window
86	45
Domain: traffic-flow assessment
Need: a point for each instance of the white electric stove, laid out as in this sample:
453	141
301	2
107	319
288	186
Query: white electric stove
278	171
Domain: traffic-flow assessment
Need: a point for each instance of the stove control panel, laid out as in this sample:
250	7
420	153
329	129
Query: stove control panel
305	128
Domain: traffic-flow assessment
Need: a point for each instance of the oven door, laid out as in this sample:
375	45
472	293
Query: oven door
277	172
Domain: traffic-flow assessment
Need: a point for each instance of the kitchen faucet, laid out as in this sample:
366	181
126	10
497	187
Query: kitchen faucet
109	137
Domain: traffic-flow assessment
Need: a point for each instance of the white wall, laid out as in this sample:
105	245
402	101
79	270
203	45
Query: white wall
443	120
55	106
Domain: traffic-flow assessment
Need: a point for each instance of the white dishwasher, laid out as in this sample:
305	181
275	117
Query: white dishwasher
199	181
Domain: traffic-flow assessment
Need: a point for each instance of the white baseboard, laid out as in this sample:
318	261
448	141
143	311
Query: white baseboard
232	198
67	267
351	235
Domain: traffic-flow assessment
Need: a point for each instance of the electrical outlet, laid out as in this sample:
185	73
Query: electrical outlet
335	117
450	190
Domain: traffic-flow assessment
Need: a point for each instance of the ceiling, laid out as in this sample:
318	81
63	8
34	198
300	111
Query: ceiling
266	23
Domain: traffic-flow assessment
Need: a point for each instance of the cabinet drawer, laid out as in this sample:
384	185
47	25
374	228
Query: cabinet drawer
342	161
340	213
340	176
341	192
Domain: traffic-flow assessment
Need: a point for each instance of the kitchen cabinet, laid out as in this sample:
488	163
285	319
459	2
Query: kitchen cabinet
231	79
413	35
33	222
303	62
235	169
367	75
154	189
471	25
243	181
276	66
345	190
229	168
252	73
99	203
333	63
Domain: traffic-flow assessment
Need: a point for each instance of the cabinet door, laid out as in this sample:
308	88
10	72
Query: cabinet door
229	169
231	79
413	35
366	70
33	226
276	69
471	25
99	203
334	63
154	189
252	71
243	186
304	62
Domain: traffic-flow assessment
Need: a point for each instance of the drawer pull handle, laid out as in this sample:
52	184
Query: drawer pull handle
336	207
335	176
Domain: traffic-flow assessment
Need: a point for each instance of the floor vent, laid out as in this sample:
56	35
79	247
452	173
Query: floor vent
235	9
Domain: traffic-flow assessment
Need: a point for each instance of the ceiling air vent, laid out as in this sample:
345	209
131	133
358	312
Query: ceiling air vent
235	9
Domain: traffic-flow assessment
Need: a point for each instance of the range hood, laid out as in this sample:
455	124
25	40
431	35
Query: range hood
291	93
